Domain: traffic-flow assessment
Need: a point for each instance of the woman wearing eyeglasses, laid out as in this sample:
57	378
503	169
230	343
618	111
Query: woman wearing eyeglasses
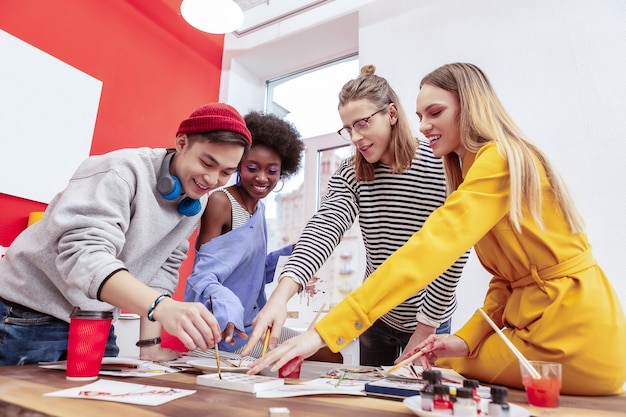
392	183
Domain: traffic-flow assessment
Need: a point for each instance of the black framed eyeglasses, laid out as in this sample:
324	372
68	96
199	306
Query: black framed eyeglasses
360	125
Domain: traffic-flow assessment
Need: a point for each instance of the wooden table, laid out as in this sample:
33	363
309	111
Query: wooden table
22	389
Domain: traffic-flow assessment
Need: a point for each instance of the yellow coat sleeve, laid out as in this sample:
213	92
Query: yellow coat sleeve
467	215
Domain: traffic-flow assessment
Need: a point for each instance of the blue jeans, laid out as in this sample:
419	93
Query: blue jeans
381	344
27	336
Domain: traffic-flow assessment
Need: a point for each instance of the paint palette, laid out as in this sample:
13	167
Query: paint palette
240	382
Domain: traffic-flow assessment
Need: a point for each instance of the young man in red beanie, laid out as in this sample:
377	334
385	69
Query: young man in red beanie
115	239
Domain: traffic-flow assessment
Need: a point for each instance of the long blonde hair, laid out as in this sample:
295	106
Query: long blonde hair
483	119
377	90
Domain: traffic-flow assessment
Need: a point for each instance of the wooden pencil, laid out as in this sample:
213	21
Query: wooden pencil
266	342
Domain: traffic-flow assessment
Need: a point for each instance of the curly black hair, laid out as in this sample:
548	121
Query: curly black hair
281	136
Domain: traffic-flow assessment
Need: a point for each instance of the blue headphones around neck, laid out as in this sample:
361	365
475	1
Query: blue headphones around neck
170	188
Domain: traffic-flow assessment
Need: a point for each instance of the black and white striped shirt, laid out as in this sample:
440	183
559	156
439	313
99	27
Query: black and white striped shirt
391	208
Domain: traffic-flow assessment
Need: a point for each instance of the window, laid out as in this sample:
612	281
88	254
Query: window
308	98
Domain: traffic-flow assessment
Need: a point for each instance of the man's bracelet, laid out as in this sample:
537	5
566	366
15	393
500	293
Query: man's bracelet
154	304
148	342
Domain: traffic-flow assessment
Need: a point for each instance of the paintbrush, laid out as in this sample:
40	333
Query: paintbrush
317	316
408	360
343	375
511	346
217	351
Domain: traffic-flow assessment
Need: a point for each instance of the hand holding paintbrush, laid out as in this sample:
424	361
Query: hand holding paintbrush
426	349
407	361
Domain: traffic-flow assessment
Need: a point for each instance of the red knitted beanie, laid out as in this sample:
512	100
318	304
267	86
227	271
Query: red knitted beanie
215	116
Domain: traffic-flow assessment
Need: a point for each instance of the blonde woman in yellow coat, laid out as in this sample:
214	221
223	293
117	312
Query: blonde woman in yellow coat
507	201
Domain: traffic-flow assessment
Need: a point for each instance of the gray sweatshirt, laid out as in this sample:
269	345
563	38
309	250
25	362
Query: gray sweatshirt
109	217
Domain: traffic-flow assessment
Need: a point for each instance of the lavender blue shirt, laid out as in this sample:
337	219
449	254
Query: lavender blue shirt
233	269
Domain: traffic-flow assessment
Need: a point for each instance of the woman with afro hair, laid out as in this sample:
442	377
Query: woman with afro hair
232	266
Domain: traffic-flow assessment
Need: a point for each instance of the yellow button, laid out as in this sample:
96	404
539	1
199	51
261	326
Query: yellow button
340	340
358	325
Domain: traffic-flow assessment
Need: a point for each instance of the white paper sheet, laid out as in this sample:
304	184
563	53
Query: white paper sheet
316	387
123	392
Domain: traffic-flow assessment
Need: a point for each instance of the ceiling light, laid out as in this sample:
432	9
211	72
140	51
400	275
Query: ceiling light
212	16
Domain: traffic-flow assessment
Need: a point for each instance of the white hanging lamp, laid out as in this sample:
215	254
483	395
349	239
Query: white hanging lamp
212	16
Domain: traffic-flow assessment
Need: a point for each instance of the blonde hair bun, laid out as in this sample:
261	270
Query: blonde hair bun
368	69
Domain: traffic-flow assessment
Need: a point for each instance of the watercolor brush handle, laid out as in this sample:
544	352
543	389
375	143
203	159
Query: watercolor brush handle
408	360
217	351
511	346
341	378
218	361
229	363
317	316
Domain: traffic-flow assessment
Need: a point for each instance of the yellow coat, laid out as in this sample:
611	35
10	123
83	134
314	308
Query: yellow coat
547	289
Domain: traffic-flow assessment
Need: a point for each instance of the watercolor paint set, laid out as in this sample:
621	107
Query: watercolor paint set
240	382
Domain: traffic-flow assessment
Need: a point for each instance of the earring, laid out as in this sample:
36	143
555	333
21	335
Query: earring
282	185
238	179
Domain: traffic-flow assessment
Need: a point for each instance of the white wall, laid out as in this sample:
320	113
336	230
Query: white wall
559	68
239	82
557	65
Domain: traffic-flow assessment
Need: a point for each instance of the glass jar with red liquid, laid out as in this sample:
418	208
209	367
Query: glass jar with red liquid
542	392
442	404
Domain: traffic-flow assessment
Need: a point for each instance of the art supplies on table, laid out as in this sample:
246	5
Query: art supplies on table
407	381
240	382
120	366
449	376
356	374
415	405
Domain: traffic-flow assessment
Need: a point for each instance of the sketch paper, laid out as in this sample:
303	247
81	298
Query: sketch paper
123	392
319	386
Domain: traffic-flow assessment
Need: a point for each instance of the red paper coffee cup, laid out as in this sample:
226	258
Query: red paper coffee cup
89	331
291	369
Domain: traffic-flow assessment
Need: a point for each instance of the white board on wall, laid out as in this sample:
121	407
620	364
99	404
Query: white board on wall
47	116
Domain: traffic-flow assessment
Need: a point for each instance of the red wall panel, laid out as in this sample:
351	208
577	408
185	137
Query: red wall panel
155	70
